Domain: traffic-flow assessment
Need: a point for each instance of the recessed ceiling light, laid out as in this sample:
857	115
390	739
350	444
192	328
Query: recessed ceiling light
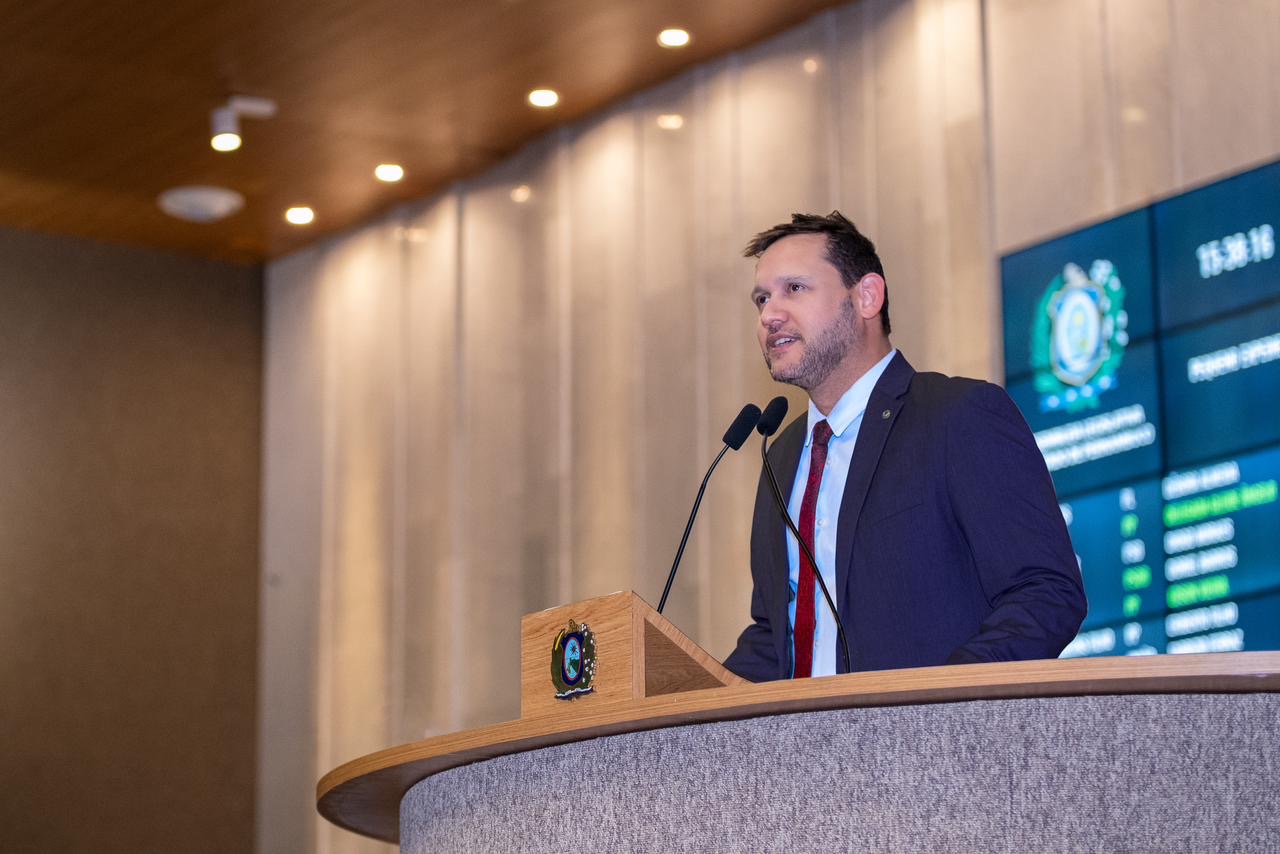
673	37
200	203
389	172
521	194
301	215
810	65
544	98
671	121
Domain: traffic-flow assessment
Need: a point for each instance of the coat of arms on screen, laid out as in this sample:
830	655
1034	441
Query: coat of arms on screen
573	661
1078	337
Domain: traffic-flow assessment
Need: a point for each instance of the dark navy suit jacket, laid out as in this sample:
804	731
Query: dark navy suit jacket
950	547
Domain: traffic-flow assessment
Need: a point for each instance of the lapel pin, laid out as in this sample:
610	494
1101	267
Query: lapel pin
885	415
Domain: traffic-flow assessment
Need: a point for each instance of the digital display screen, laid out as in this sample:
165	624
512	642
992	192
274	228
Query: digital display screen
1163	438
1184	564
1247	624
1115	438
1230	626
1222	386
1221	522
1031	277
1216	247
1117	535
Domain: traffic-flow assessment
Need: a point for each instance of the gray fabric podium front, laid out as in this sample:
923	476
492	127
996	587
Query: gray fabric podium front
1128	773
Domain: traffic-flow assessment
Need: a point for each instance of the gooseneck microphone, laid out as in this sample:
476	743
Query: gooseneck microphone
737	433
771	418
769	423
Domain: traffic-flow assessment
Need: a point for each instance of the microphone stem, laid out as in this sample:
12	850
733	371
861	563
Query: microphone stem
786	517
671	576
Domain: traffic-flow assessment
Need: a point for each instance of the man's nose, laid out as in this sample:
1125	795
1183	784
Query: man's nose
772	316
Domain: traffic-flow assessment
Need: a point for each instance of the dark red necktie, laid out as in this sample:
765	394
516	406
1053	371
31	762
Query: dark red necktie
806	614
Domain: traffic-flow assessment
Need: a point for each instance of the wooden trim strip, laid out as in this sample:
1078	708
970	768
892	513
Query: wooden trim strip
364	795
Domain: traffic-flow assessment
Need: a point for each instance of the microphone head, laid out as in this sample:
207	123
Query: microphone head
771	420
742	426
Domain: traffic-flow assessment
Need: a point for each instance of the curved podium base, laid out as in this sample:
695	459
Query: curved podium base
1178	772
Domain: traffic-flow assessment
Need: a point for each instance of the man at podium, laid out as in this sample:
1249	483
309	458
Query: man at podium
923	498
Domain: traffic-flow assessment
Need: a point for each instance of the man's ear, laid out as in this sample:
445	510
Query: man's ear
868	295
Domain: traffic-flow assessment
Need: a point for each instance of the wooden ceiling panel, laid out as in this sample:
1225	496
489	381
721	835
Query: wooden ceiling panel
106	106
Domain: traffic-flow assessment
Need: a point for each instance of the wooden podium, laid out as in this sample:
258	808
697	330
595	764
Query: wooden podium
649	678
641	654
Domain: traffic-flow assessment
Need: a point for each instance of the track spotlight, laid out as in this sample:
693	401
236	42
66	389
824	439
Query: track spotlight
224	121
225	129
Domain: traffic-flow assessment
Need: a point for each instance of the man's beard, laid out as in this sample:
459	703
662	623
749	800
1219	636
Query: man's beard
822	353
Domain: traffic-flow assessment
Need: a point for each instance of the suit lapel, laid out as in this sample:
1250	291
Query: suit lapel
882	413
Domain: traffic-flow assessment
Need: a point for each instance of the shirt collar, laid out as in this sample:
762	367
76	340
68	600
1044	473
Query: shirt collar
851	404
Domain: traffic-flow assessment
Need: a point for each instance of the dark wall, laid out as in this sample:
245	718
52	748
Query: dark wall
129	479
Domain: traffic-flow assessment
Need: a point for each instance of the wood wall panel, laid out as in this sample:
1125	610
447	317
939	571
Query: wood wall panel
606	368
1104	105
1226	60
851	68
965	336
545	567
673	445
783	137
948	77
913	171
731	366
508	346
785	155
1050	143
293	552
900	174
1139	112
360	490
434	593
130	395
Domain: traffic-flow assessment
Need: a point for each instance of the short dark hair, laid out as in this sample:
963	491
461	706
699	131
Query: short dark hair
848	250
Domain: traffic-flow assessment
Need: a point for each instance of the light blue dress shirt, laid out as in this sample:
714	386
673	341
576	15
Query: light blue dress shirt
844	420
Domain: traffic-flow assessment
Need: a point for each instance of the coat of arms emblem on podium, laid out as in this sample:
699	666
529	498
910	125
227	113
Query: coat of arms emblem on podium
573	661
